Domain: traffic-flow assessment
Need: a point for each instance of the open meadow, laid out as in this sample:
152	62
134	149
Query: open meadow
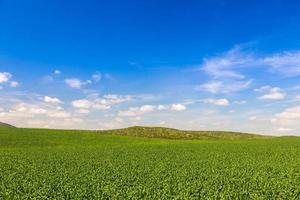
57	164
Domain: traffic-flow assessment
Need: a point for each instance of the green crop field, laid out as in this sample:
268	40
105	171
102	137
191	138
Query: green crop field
56	164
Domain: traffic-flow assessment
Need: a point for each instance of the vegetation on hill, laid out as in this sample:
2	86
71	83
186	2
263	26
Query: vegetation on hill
58	164
4	125
170	133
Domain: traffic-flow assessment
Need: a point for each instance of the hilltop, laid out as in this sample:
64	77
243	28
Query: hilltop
170	133
4	125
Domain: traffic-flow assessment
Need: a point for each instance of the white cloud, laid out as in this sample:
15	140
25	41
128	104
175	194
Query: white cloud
224	66
119	119
226	86
75	83
147	108
264	88
212	87
224	72
289	114
109	100
136	111
297	97
83	111
218	102
35	112
14	84
162	123
241	102
115	99
161	107
29	109
271	93
226	69
252	118
178	107
5	77
111	124
57	72
289	119
227	64
97	77
39	114
287	63
82	103
52	100
59	114
103	103
284	129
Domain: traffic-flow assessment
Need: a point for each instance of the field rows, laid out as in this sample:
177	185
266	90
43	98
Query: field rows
39	164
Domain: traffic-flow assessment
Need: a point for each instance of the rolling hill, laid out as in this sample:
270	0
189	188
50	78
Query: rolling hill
170	133
4	125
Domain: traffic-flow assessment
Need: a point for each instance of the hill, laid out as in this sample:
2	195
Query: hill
170	133
4	125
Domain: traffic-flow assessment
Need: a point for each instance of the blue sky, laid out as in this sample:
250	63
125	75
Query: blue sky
205	65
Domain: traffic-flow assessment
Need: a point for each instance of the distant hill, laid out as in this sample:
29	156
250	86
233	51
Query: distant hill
170	133
4	125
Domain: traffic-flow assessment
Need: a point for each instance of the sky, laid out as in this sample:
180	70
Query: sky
197	65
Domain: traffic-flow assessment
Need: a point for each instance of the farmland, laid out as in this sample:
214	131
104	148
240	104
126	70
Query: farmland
58	164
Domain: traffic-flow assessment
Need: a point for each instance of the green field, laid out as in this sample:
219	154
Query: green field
53	164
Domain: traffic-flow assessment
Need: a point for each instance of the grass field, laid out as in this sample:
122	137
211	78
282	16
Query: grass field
40	164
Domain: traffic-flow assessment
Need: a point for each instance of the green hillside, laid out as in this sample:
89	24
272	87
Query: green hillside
4	125
60	164
170	133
